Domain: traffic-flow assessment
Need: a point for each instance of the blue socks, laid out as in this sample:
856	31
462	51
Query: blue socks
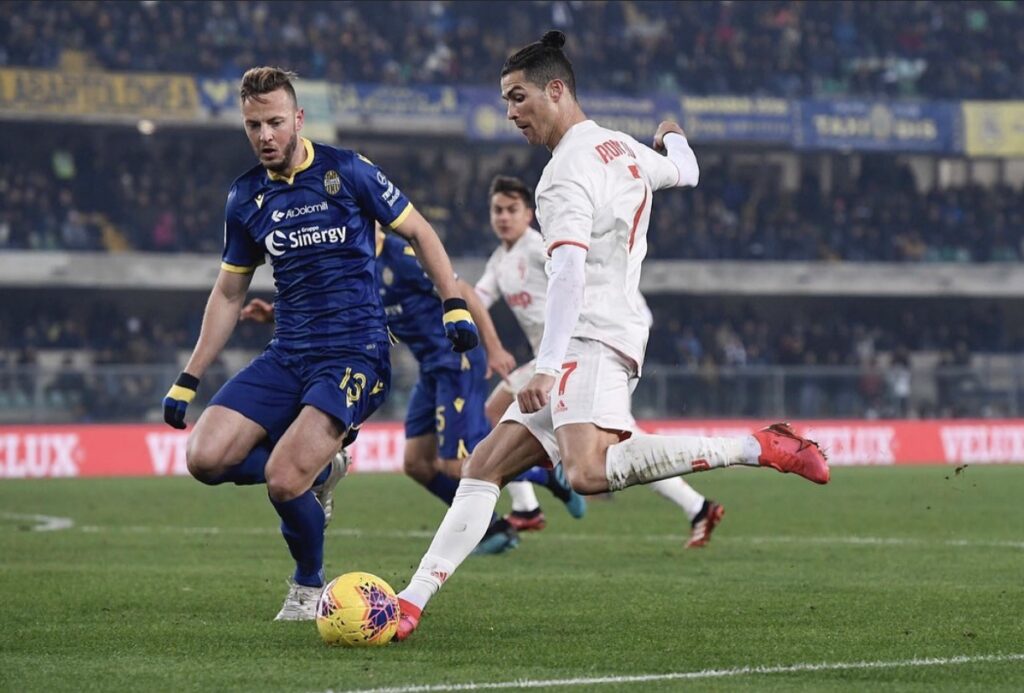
302	524
444	487
252	469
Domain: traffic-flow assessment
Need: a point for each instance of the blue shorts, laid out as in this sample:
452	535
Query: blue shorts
347	383
450	404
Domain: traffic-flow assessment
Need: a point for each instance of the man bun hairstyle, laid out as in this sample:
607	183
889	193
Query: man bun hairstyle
543	61
513	187
553	39
257	82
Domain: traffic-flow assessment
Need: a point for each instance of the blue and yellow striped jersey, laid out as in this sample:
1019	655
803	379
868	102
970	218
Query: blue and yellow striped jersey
317	228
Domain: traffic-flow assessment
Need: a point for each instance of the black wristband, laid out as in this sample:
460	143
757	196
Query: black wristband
187	380
455	304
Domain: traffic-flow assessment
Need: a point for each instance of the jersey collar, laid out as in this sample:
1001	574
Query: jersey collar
300	168
576	129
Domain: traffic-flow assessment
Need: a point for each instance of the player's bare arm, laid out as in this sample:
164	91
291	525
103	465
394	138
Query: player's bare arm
499	360
431	253
219	319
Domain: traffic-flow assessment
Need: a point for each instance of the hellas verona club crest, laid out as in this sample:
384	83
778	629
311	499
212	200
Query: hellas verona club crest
332	182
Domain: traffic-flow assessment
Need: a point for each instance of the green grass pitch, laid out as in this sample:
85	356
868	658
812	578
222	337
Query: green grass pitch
164	584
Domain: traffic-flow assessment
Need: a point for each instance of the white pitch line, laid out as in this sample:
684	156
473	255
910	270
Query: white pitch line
696	675
554	536
44	523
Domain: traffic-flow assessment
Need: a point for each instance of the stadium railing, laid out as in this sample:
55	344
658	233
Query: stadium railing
133	393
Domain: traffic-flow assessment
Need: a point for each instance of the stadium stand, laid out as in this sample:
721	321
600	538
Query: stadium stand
105	181
780	48
164	193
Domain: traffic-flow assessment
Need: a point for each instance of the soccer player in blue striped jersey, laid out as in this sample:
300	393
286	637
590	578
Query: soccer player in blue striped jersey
446	415
311	210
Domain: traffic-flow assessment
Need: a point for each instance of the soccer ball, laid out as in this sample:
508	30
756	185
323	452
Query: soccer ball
357	610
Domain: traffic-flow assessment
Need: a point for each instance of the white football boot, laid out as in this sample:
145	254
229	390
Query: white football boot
300	604
325	492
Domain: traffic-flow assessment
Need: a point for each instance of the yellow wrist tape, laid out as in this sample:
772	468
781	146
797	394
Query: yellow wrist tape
458	314
182	394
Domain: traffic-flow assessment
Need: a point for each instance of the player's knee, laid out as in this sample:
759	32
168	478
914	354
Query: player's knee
205	463
420	469
283	485
584	476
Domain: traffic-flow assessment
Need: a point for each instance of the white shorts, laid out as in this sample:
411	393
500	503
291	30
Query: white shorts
595	386
517	379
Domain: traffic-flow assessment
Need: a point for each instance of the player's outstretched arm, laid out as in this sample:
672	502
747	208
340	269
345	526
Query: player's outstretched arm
458	323
499	360
669	139
219	320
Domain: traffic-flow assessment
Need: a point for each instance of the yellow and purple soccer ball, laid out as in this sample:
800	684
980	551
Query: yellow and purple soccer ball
357	610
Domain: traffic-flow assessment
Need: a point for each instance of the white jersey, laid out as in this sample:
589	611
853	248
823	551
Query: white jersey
518	275
596	193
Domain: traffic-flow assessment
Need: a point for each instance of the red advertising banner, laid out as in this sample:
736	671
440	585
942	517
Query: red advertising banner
155	450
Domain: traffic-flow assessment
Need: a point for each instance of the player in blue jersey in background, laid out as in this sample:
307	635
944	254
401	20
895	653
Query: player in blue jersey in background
446	416
313	210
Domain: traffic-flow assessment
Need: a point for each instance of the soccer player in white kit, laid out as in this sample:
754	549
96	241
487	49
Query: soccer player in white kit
516	272
594	205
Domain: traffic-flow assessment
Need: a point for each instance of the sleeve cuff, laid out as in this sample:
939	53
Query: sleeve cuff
237	269
401	217
575	243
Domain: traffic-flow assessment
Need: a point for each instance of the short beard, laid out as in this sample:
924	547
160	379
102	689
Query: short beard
289	150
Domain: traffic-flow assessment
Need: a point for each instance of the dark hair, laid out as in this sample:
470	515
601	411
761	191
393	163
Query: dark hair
258	81
513	187
543	61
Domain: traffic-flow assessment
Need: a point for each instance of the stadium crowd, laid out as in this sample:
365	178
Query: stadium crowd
166	193
934	49
725	349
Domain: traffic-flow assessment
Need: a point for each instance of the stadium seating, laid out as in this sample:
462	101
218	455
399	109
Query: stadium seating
781	48
165	192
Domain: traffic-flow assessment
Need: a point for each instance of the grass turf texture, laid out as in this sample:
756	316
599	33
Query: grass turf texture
164	584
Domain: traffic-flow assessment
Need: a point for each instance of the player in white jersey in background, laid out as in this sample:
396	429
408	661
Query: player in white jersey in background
516	272
594	205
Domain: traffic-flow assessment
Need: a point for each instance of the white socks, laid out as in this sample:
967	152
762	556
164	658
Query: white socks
524	500
680	493
646	458
461	530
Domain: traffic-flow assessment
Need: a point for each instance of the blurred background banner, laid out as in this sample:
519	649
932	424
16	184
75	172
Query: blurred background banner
94	94
155	450
862	125
218	98
994	128
983	129
738	119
